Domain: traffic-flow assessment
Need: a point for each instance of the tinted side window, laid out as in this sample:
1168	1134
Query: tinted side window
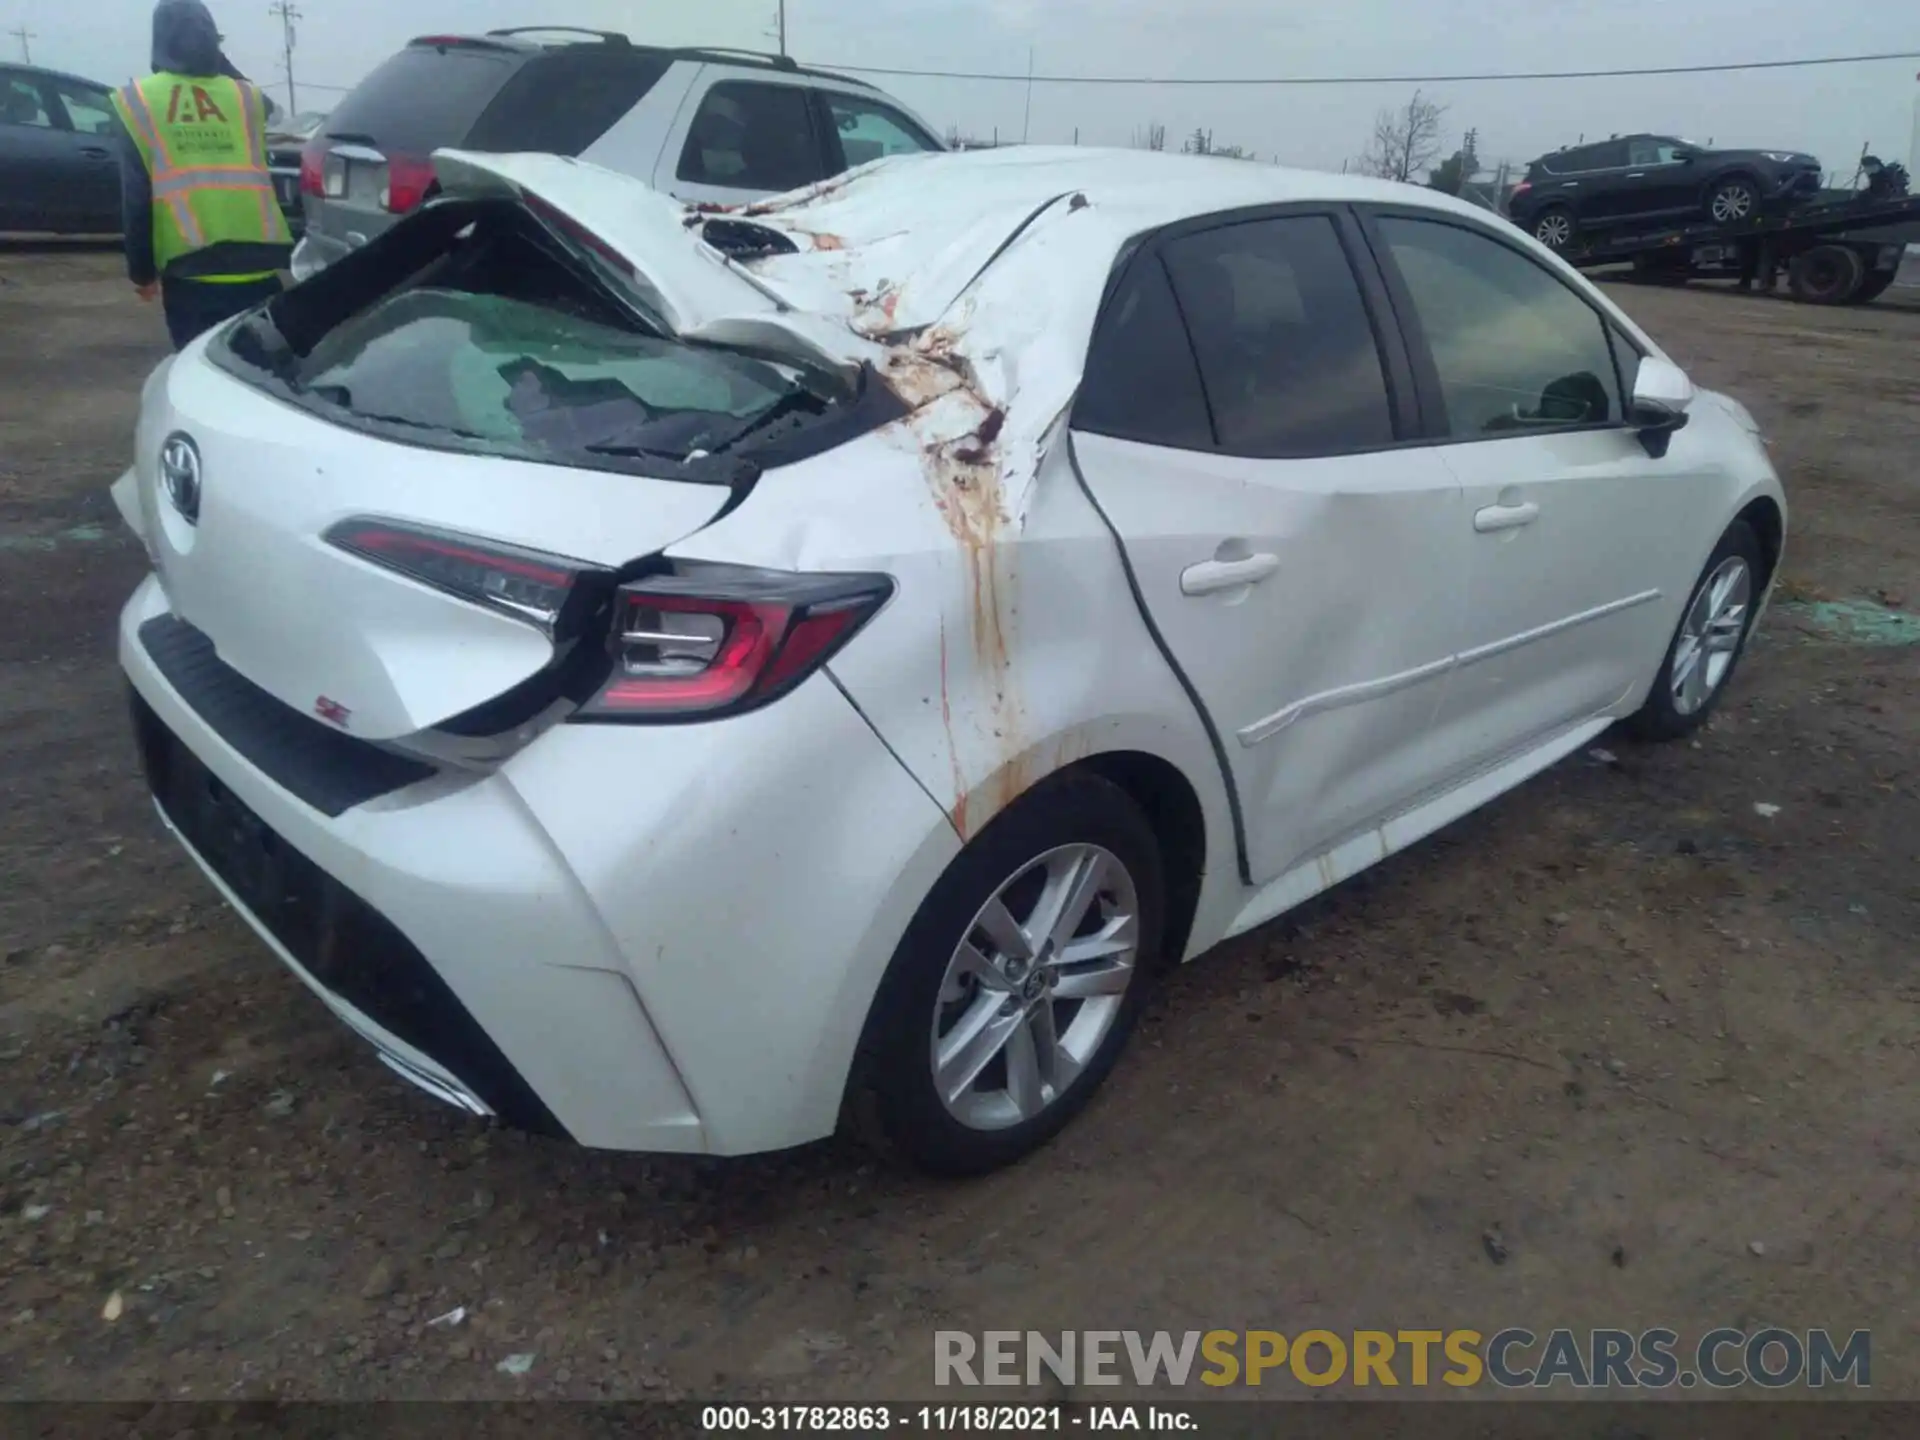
870	131
561	103
1610	156
1141	382
1286	350
89	111
22	104
1516	350
752	136
1643	152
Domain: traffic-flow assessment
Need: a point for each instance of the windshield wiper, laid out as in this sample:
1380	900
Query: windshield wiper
412	424
791	402
341	398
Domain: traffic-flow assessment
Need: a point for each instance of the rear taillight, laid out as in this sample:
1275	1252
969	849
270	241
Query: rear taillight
1523	187
705	640
408	181
525	584
313	159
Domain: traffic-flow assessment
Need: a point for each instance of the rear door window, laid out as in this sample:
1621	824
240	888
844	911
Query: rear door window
561	102
424	97
753	136
1286	347
1572	162
89	111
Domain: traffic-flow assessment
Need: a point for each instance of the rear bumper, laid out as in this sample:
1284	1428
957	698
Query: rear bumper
663	940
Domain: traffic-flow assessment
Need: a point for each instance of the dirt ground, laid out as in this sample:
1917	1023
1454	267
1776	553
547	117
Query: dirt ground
1669	1046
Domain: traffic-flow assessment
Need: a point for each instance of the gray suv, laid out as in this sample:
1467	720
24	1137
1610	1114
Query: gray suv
701	125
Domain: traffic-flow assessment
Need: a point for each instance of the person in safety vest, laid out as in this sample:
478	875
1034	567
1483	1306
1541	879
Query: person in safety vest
203	229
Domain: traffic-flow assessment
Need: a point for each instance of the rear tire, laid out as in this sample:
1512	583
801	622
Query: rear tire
1708	642
1826	274
1733	201
1554	227
1054	1026
1876	284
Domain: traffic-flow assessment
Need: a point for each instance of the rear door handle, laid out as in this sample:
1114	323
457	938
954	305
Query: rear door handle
1505	517
1210	576
94	152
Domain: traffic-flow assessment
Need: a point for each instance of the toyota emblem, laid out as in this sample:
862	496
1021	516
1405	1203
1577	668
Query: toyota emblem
180	469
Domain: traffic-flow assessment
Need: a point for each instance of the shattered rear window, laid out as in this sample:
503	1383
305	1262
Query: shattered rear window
530	381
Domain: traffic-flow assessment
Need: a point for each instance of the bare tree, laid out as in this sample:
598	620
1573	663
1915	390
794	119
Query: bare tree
1405	140
1154	137
1198	143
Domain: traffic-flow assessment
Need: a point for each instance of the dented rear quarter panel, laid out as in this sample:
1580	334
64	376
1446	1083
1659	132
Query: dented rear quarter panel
995	664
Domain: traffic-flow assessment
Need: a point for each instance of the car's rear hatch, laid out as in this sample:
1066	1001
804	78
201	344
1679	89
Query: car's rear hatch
317	626
504	420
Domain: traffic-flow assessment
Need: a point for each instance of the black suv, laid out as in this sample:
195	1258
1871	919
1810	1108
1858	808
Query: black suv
1654	177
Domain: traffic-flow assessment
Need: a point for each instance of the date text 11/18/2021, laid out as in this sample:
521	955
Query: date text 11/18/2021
943	1419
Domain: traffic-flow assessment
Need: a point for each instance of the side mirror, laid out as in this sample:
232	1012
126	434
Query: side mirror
1686	157
1661	394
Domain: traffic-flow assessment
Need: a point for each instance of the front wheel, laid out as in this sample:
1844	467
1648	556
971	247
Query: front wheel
1707	646
1016	985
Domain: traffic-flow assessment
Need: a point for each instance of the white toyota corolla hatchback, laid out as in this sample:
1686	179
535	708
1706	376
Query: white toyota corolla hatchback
676	678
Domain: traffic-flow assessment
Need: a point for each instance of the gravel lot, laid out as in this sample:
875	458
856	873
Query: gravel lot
1666	1044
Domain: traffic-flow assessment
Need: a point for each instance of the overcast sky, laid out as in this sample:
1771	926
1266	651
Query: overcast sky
1830	111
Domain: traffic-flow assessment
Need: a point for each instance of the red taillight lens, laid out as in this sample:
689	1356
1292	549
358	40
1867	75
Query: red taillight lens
313	158
525	584
1523	187
711	639
408	181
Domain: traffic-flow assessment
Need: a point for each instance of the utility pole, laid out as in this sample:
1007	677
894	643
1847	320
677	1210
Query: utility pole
783	27
1027	122
288	13
26	38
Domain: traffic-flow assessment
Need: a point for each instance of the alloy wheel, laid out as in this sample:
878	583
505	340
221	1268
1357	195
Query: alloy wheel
1735	202
1554	231
1711	634
1035	986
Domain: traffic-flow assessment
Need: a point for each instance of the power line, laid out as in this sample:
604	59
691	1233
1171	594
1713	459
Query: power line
1370	79
1323	79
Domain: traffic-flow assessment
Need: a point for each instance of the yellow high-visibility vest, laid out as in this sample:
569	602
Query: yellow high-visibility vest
203	142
